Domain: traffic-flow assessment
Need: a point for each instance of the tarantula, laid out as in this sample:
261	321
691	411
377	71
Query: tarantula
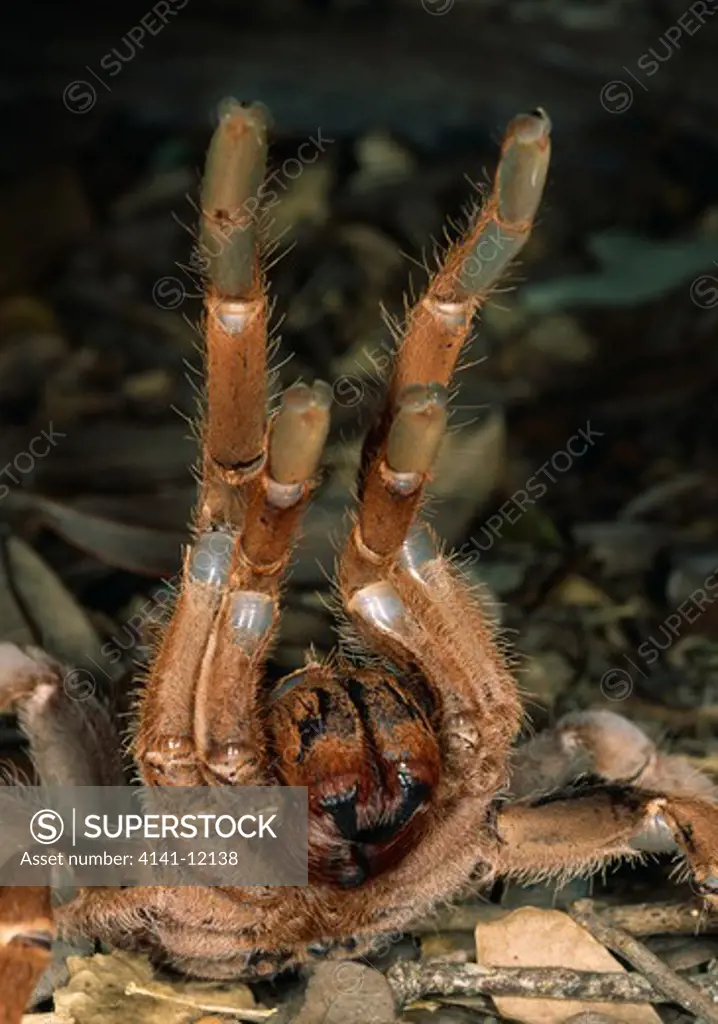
415	791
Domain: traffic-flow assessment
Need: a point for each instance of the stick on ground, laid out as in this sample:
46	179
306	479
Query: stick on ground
413	981
662	977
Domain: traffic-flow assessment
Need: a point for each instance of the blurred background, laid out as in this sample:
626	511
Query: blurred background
608	324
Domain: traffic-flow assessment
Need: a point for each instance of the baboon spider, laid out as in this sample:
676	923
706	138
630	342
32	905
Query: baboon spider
416	793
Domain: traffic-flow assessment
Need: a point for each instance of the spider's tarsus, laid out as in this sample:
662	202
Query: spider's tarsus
234	172
505	224
299	433
524	164
236	302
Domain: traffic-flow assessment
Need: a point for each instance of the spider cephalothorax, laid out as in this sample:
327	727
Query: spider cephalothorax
414	791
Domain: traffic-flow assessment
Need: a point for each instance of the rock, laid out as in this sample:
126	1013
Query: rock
347	993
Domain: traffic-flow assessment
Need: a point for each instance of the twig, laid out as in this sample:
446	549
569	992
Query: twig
660	918
662	977
199	1002
412	981
462	918
636	918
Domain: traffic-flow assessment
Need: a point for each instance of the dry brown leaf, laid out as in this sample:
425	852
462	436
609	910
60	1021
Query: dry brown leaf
546	675
303	199
561	338
577	590
530	937
447	946
592	1017
15	625
138	548
121	988
59	622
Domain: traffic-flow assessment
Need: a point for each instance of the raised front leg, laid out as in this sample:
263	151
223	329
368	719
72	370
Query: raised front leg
200	714
402	759
404	599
